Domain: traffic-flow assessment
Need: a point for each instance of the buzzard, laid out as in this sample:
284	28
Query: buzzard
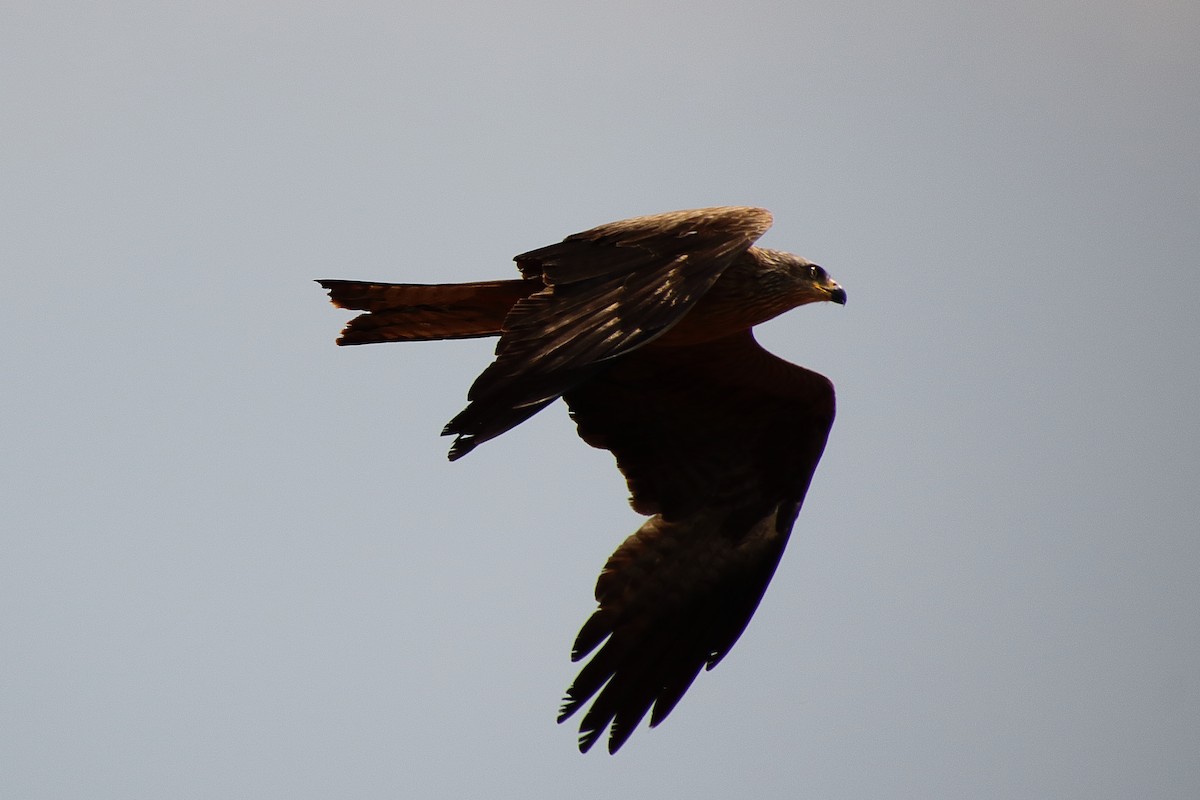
643	327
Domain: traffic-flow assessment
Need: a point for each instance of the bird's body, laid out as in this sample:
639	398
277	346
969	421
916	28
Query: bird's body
643	327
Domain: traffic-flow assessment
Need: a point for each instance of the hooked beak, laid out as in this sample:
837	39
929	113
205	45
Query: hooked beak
837	295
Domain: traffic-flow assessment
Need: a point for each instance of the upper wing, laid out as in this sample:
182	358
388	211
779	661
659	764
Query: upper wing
608	290
720	441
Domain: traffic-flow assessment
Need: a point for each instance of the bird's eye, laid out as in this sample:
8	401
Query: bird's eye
816	273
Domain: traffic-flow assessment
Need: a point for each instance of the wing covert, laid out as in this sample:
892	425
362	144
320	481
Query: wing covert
719	423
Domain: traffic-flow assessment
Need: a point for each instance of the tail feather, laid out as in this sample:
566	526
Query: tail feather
413	312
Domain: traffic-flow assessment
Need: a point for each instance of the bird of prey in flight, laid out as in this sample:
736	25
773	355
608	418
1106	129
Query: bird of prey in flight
643	327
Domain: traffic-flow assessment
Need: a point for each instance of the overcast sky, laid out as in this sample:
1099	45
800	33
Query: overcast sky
236	563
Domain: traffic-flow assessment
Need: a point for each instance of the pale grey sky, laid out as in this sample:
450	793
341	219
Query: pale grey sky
237	564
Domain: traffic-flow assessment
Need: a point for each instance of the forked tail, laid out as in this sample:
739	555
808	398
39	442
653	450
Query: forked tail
414	312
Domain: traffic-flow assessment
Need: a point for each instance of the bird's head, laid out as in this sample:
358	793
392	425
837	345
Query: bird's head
806	282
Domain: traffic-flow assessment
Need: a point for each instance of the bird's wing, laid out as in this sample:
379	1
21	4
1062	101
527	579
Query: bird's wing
719	441
607	291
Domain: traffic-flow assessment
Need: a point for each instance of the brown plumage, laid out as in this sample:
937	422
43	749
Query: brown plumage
643	327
